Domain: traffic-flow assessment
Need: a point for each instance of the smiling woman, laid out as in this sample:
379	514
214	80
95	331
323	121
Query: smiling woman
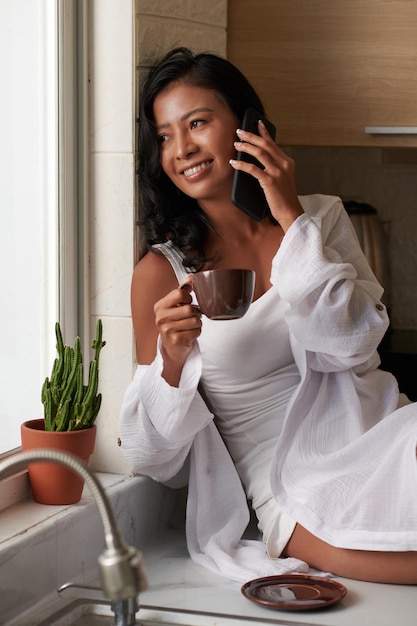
36	193
286	407
192	142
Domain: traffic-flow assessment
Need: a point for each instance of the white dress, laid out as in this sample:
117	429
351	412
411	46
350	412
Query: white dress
249	398
341	455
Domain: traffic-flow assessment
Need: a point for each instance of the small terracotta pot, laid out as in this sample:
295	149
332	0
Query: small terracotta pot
52	483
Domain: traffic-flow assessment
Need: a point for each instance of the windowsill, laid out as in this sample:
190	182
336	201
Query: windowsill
26	515
14	489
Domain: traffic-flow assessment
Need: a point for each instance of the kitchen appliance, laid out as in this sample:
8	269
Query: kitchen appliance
374	242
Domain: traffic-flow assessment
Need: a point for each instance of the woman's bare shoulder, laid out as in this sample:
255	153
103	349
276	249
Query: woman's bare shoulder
153	275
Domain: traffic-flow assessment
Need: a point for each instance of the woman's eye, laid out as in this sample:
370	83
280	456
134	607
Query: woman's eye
162	138
196	123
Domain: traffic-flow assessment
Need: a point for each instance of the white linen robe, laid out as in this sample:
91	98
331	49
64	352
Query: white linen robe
339	469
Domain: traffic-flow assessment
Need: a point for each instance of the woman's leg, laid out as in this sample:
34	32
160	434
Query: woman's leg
373	566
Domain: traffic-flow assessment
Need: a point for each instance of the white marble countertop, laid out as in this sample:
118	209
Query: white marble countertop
33	539
176	582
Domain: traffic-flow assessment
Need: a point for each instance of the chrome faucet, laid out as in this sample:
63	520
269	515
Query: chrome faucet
121	568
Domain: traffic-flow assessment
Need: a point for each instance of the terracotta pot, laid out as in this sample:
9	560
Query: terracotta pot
52	483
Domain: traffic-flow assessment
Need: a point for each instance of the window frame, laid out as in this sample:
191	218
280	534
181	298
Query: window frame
64	61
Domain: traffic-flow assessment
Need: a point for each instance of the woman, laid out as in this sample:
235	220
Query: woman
294	407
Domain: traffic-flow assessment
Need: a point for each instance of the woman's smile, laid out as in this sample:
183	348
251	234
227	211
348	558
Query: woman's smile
195	169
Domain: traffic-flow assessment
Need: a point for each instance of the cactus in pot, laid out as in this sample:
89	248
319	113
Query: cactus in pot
69	404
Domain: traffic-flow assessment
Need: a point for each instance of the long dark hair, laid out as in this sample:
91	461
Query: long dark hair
164	211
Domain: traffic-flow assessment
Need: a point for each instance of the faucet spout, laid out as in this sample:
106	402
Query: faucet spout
124	610
122	571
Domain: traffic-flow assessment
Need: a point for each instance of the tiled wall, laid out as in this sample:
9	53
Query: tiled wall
125	36
111	196
164	24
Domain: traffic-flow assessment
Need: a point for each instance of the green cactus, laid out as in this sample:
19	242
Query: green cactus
68	403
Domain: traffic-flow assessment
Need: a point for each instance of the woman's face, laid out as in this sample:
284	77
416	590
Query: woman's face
196	131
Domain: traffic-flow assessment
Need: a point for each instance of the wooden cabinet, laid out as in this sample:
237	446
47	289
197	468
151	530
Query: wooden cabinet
329	69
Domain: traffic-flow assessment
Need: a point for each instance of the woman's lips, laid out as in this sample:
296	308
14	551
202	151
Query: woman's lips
194	169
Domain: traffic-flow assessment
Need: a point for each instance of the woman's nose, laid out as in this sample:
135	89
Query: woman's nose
185	146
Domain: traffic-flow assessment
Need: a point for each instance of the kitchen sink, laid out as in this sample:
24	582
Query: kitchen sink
101	615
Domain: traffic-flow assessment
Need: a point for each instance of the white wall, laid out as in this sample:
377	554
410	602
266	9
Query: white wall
124	37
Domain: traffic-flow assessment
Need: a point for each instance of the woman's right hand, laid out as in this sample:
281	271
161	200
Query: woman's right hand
179	325
162	309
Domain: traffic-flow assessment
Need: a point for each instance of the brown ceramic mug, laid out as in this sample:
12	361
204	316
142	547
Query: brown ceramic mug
224	294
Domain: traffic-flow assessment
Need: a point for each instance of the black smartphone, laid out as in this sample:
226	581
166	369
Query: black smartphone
247	194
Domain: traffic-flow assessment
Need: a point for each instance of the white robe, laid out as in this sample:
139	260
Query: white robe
339	468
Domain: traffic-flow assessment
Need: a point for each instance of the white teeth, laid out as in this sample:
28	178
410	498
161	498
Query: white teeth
194	170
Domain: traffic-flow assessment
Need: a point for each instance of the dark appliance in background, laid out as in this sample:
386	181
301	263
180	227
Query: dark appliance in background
374	243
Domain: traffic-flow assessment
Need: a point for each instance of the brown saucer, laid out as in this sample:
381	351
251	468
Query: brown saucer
294	592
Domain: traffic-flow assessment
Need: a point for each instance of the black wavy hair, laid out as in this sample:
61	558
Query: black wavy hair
165	212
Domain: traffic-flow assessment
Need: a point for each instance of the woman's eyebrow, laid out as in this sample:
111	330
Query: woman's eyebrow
194	111
186	116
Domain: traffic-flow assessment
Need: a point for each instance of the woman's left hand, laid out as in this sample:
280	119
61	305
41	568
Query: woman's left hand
277	179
